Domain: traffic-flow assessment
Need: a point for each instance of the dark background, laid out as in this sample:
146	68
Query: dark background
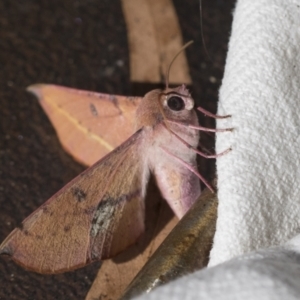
78	44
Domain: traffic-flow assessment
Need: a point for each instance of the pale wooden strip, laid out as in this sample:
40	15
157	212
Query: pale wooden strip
154	38
143	48
169	39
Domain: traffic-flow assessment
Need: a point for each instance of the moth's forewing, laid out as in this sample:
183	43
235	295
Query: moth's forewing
89	125
88	219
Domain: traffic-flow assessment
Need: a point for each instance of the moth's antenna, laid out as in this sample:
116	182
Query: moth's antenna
170	65
201	30
167	81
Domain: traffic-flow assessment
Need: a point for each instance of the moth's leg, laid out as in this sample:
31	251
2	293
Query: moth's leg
211	155
200	128
196	150
209	131
189	168
209	114
203	148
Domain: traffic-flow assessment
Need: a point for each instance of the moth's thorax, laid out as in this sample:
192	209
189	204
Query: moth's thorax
148	113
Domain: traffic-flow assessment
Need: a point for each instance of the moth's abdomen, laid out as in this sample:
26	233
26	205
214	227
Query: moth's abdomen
178	185
168	162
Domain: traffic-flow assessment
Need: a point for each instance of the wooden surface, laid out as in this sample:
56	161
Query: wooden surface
154	32
81	45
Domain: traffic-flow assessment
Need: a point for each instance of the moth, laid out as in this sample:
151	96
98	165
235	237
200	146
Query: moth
101	212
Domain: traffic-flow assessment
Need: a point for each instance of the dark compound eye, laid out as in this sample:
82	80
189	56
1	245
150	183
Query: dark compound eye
176	103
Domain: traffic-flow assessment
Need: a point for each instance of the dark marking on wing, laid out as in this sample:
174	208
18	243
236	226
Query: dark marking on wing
115	101
93	110
107	200
102	206
89	210
79	194
106	210
47	211
67	228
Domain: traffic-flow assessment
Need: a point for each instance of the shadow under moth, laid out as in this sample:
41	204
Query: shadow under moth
101	212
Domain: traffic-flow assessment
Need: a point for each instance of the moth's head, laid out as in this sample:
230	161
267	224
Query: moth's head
175	104
177	99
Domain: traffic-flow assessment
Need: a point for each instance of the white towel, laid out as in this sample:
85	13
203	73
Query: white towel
271	274
259	181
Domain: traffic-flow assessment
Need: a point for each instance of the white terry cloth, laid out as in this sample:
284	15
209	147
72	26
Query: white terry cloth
259	181
271	274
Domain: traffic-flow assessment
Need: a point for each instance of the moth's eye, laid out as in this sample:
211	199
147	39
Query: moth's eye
176	103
